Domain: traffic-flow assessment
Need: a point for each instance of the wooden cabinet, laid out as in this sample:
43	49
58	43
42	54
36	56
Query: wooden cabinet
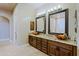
60	49
44	46
65	52
52	47
32	41
38	42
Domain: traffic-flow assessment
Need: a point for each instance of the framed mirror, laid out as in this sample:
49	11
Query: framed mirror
58	22
41	24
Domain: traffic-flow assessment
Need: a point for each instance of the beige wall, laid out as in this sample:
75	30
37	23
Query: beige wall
77	7
21	21
71	8
22	16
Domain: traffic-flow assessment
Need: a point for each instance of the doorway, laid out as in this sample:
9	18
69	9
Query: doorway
4	29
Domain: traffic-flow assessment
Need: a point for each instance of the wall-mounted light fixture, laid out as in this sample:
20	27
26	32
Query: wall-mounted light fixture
59	7
49	11
55	8
52	9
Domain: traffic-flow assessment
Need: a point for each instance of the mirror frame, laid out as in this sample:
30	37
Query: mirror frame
66	21
44	31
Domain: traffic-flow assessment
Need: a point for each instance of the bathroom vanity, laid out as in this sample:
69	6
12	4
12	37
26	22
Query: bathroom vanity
50	45
58	23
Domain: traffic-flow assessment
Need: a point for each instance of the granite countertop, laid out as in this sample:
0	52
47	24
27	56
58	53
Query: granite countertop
53	38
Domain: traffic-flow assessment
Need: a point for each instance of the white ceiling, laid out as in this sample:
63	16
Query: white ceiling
7	6
35	5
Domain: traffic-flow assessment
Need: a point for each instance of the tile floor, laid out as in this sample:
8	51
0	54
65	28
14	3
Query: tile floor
77	52
25	50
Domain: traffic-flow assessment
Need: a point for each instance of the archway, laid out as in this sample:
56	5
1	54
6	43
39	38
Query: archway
4	28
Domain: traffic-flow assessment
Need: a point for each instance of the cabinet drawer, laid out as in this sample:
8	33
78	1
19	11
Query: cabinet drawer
38	41
53	51
38	44
34	45
44	43
64	52
38	47
44	46
66	46
44	40
44	50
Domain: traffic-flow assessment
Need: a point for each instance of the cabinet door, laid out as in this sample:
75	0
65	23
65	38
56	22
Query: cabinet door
38	43
53	50
44	46
34	41
64	52
30	40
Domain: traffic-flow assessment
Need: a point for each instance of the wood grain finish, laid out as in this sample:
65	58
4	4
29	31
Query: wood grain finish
32	41
52	47
65	52
38	42
66	46
44	46
59	49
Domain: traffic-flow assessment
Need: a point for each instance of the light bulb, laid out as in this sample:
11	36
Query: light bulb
59	6
51	9
55	8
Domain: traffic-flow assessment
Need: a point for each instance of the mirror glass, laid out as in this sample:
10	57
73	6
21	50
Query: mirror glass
58	22
40	24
